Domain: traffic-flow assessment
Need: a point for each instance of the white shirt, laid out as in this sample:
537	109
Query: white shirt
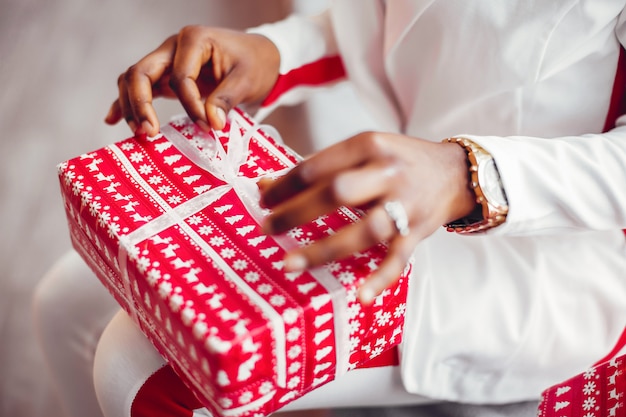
501	316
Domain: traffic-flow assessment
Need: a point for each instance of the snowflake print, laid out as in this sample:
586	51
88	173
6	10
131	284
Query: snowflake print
377	351
354	310
351	295
176	302
264	289
94	208
143	263
277	300
136	157
104	218
589	414
382	318
165	289
354	343
293	382
77	187
400	310
265	388
155	180
305	242
114	229
589	388
127	146
346	278
293	334
295	233
164	189
194	220
290	315
294	367
216	241
294	351
133	252
69	176
86	197
589	403
145	169
245	397
354	326
252	277
153	276
227	253
333	266
225	402
590	373
240	264
174	199
205	230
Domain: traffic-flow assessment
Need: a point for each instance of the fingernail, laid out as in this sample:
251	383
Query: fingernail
221	116
147	127
295	262
366	295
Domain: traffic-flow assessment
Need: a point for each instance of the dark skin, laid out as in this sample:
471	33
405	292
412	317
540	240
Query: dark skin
210	71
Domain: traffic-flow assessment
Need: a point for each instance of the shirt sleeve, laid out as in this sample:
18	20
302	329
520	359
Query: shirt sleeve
308	59
560	184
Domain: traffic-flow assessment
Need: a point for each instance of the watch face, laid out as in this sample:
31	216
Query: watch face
490	184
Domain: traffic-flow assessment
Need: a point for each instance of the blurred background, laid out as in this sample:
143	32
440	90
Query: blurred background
59	62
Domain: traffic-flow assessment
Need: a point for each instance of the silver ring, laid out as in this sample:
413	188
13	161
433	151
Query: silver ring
396	212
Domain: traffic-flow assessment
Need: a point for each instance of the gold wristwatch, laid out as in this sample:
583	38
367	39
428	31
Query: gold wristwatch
487	185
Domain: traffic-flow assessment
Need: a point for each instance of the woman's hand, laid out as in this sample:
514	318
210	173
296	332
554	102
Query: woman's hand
222	67
430	180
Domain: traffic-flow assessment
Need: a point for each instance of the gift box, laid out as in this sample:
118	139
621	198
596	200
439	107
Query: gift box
171	226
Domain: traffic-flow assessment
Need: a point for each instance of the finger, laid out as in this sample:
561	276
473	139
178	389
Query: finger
303	208
140	80
115	113
344	155
230	91
372	229
388	272
124	104
193	51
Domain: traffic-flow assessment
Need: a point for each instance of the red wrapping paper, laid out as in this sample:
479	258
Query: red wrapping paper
598	392
170	225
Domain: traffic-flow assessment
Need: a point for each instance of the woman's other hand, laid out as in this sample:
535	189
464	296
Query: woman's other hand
427	181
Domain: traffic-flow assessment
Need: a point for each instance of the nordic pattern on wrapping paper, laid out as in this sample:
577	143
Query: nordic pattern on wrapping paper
598	392
264	286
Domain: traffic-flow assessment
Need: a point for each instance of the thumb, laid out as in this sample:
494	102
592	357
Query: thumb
230	92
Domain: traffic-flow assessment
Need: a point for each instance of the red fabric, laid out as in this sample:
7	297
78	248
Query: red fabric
389	357
617	107
164	395
320	72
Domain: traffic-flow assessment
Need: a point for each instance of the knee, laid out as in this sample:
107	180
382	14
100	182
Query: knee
124	363
132	379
